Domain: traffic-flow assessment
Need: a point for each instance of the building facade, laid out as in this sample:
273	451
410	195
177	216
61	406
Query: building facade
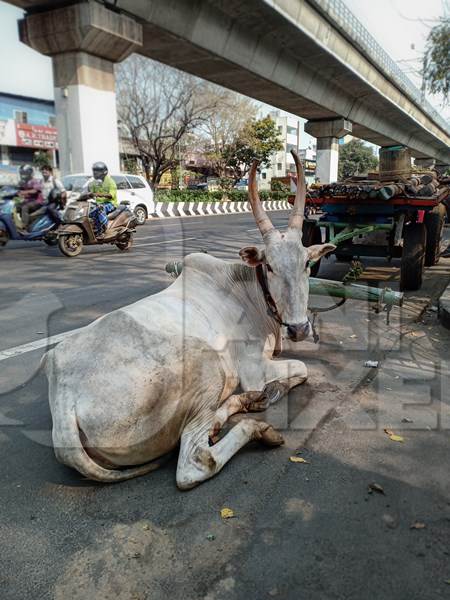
282	166
27	125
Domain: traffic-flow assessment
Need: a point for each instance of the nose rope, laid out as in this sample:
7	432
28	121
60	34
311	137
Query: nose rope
316	310
272	309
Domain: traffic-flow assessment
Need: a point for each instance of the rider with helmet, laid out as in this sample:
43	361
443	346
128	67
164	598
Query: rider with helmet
103	188
30	191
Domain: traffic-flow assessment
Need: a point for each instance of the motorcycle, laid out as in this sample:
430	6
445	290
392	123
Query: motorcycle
43	226
78	228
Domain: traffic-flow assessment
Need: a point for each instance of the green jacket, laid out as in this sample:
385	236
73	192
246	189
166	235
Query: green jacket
108	186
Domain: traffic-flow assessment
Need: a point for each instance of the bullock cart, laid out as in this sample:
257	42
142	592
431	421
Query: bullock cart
367	218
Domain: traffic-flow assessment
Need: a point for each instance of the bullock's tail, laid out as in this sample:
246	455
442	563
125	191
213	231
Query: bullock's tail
67	443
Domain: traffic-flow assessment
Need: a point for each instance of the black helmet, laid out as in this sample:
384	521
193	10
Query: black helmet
26	172
99	169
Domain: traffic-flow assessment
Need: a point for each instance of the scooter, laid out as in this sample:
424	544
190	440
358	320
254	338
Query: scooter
44	223
78	228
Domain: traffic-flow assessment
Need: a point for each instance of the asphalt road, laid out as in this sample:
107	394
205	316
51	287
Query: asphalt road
301	531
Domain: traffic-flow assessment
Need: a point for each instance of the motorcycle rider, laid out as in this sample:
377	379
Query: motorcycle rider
50	182
103	188
30	191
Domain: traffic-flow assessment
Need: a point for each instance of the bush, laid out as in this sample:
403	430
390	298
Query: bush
215	196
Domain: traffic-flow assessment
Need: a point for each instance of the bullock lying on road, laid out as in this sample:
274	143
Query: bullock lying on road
133	384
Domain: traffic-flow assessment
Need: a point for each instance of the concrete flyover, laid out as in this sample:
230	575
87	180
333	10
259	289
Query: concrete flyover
308	57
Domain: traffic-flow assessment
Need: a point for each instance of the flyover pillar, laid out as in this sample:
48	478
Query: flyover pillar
328	134
84	41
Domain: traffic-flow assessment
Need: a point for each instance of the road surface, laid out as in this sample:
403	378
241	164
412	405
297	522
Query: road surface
306	531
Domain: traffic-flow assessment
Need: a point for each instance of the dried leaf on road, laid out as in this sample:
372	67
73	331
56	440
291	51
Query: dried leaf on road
227	513
394	437
417	525
375	487
297	459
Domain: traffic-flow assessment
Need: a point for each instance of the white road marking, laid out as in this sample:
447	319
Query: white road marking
164	242
31	346
55	339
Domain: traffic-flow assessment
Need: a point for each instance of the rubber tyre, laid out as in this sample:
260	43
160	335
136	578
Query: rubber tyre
413	257
140	212
312	235
125	245
4	238
343	257
434	223
52	242
66	246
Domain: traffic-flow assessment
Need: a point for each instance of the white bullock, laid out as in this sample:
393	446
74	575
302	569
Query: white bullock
173	367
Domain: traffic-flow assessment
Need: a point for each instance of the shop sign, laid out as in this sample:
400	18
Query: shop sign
36	136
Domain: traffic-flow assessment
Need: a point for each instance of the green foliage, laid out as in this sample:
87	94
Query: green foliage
436	61
41	159
130	166
226	183
258	140
216	196
355	158
278	186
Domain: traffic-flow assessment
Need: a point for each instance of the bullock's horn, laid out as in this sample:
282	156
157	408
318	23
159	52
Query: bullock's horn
261	218
298	210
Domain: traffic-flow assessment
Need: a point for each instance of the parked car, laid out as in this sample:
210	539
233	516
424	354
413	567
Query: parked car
131	188
203	186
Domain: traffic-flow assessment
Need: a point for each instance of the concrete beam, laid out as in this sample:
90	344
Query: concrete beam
335	128
425	163
287	54
84	41
88	27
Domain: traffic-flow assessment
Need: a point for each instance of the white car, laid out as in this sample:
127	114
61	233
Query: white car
132	188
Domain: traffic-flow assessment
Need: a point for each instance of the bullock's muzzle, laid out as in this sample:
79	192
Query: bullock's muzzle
299	332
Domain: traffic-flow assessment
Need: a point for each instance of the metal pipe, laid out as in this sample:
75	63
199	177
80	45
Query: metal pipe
353	291
336	289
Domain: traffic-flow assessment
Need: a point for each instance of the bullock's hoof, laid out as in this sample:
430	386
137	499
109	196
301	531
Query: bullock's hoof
275	390
258	405
294	381
270	436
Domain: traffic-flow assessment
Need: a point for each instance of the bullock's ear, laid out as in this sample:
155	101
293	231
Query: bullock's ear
319	250
252	256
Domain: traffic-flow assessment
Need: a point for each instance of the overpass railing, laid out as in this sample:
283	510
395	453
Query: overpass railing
353	29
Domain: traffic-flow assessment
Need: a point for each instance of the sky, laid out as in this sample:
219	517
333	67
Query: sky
399	26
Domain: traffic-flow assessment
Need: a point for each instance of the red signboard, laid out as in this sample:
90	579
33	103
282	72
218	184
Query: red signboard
36	136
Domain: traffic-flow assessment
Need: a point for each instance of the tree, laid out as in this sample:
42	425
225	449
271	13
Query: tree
222	127
41	158
436	61
355	158
258	139
159	106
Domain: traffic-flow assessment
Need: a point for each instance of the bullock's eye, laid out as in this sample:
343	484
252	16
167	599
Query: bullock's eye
269	268
307	264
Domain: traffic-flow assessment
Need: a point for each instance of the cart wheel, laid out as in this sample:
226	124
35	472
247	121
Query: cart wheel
434	223
312	235
343	257
413	257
